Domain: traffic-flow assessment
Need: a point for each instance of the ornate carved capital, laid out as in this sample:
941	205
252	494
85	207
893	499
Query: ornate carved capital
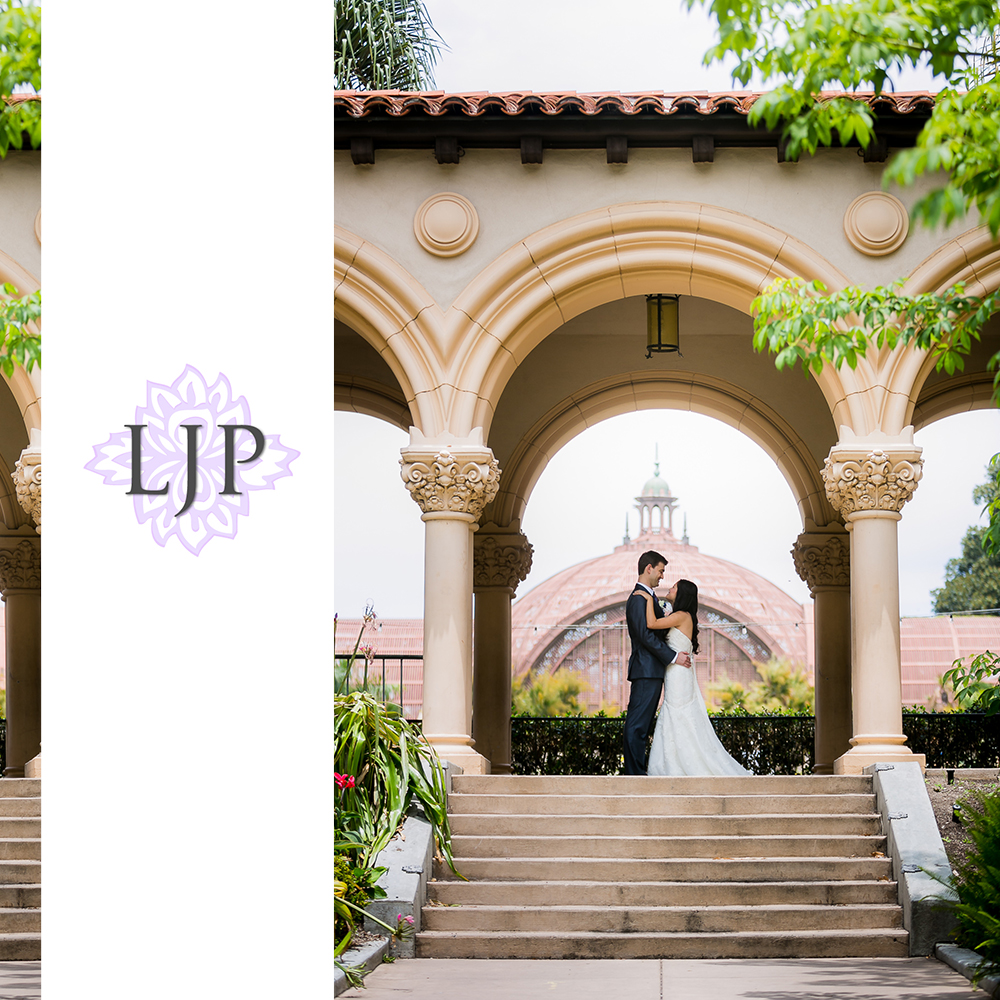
451	478
875	481
823	560
27	476
20	564
502	560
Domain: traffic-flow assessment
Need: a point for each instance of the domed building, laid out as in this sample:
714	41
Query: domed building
575	620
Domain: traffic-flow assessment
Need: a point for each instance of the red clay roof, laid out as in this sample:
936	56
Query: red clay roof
358	104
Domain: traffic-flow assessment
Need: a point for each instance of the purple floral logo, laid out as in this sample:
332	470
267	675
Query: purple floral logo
190	460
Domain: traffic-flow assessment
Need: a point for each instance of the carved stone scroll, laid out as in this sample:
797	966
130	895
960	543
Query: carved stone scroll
27	476
823	560
873	482
502	560
20	564
460	481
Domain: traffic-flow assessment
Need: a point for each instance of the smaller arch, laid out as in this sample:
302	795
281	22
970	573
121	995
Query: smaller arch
973	258
662	390
356	394
391	310
959	394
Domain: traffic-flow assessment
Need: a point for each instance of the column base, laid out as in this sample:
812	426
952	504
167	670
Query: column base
858	758
459	753
823	769
468	760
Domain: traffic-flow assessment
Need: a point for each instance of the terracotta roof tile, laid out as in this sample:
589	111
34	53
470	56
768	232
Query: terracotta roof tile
358	104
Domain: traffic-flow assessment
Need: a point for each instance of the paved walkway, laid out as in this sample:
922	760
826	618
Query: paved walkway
20	980
667	979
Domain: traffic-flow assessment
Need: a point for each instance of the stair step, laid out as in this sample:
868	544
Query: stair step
566	893
20	947
758	824
20	849
21	826
20	787
671	869
862	943
654	919
20	895
20	872
659	805
620	784
28	805
15	920
623	848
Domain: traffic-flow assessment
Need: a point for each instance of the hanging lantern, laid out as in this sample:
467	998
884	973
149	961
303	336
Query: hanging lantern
662	326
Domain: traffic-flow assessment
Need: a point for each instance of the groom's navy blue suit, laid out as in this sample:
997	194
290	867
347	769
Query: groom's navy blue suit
646	666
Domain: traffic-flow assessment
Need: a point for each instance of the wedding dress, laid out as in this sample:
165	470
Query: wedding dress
684	741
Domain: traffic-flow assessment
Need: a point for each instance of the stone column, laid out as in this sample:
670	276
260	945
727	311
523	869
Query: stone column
20	587
868	482
822	560
452	480
501	560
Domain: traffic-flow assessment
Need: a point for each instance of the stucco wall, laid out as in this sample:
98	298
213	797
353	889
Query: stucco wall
20	200
807	200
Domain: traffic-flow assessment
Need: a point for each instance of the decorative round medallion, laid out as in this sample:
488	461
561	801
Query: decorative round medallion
876	223
446	224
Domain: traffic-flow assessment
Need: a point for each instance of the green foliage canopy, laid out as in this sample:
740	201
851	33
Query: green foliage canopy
808	51
20	76
972	581
384	45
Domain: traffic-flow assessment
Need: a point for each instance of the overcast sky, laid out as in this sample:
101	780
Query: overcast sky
710	467
585	45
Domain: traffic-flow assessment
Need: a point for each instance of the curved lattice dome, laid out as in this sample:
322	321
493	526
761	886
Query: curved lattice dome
575	619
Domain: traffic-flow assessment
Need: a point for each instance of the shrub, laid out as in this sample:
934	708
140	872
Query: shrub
383	764
549	695
977	881
783	687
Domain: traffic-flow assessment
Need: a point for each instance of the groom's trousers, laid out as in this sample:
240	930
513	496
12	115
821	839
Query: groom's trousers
640	720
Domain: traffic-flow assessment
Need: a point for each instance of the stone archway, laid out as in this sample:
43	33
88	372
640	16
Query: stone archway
663	390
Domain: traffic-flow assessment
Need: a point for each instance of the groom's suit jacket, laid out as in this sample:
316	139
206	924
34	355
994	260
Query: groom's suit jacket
650	654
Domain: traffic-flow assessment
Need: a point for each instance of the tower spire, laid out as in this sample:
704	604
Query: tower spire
626	539
684	537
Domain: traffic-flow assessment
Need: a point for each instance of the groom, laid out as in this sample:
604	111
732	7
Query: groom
648	663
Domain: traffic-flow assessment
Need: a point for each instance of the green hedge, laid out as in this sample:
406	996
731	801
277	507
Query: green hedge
767	744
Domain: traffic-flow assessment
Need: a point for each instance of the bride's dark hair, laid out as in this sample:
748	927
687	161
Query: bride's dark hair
687	600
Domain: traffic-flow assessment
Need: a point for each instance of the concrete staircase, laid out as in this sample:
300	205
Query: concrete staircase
619	867
20	869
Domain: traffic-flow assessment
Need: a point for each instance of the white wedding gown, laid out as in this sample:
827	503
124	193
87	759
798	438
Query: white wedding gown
684	741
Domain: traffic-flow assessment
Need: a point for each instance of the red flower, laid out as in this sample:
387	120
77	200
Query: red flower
343	780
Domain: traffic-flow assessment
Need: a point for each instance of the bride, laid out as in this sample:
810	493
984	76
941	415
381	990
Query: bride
684	741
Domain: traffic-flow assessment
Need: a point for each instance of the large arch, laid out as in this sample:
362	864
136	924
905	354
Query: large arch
616	252
662	390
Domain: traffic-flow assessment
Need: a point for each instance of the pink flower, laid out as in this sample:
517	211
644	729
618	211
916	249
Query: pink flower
343	780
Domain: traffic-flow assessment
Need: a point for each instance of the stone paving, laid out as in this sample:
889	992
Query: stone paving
20	980
667	979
